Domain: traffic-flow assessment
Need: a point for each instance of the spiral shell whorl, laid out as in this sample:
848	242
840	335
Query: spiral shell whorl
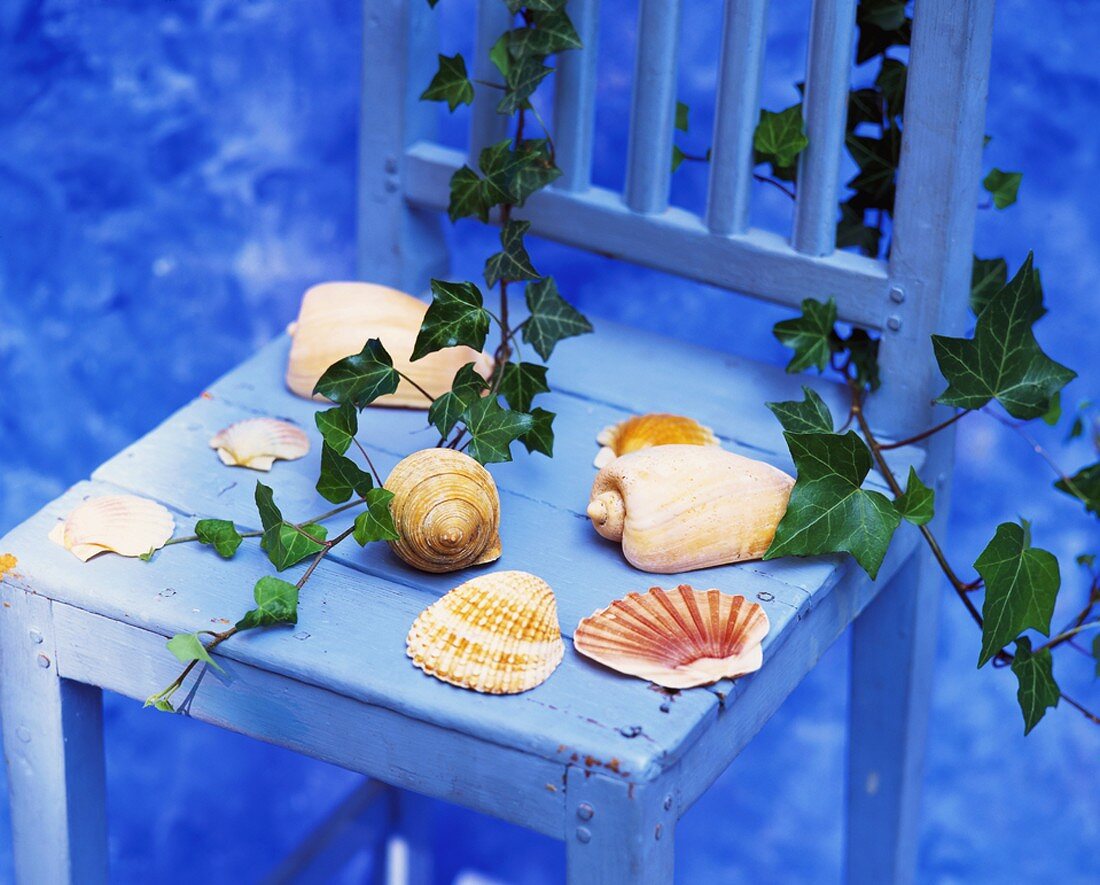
608	514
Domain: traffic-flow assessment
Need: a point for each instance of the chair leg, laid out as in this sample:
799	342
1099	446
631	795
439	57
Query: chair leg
53	746
893	645
410	849
617	833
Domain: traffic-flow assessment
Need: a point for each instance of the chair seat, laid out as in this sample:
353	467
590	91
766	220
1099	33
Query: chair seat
355	612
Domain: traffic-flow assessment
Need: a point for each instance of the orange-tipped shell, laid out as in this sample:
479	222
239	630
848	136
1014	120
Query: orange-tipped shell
643	431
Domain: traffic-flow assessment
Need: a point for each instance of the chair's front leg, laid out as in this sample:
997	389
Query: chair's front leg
617	833
893	645
53	746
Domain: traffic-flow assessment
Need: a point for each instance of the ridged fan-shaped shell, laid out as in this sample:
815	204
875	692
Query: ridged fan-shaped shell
677	639
122	524
644	431
258	442
497	634
335	320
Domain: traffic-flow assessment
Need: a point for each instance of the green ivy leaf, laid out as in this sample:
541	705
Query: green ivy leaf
829	511
522	79
360	379
682	112
499	164
520	383
1003	186
468	196
540	438
1096	653
809	416
514	6
338	426
678	157
450	83
188	647
863	349
553	32
886	14
780	137
493	430
1035	674
810	336
512	263
877	159
1003	361
1021	584
864	106
276	603
917	504
376	522
988	277
270	515
552	317
534	169
445	411
340	477
852	232
220	534
874	40
456	316
499	55
287	545
1084	485
891	80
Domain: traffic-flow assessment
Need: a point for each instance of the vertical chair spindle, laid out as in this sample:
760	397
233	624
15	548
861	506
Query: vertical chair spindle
486	125
735	116
575	100
653	115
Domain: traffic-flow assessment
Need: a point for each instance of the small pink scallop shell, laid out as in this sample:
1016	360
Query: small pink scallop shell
122	524
679	639
258	442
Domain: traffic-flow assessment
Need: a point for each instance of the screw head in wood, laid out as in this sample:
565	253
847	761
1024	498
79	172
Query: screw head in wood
657	832
585	811
584	834
893	322
668	803
897	294
43	662
36	637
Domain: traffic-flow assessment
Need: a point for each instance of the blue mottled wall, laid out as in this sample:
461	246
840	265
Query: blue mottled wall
172	175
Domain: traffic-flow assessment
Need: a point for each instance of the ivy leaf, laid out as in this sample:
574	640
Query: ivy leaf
886	14
220	534
810	336
780	137
891	80
863	350
917	504
512	262
877	159
188	647
540	438
520	383
340	477
515	6
456	316
360	379
499	55
450	83
1084	485
809	416
553	32
1003	361
276	603
1003	186
338	426
1035	674
874	40
1021	584
270	515
287	544
678	157
682	112
987	278
864	106
829	511
468	196
552	317
522	79
499	164
852	232
1096	653
493	430
534	169
445	411
376	522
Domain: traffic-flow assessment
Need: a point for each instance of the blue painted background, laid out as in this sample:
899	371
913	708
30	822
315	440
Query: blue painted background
172	176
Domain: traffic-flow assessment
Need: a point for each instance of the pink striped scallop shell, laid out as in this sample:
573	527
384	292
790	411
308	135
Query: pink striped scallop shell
258	442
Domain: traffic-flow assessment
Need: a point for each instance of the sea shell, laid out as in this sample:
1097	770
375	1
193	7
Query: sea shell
496	634
122	524
258	442
677	508
679	639
643	431
446	511
336	320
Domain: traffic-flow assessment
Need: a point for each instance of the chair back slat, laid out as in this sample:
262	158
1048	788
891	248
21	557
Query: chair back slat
825	111
736	112
486	125
653	110
575	101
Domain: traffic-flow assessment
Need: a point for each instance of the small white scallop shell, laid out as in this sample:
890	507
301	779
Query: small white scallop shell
122	524
258	442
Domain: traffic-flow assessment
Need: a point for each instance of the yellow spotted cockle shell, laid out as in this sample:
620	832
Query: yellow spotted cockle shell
122	524
446	511
678	507
496	634
678	639
335	320
643	431
258	442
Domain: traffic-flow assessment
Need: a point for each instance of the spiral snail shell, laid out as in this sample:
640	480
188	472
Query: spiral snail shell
446	511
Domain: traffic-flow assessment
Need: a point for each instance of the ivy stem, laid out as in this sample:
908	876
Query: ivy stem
764	179
931	431
414	384
1065	636
545	131
328	514
1038	449
370	464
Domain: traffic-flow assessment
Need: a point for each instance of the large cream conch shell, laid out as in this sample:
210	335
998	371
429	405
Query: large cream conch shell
446	511
679	639
496	634
258	442
643	431
337	319
122	524
677	508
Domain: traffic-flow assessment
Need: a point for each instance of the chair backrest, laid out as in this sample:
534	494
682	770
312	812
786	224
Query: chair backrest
404	174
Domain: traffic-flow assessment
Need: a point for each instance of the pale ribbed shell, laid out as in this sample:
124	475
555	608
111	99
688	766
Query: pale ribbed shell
337	319
446	511
258	442
122	524
679	639
644	431
496	634
678	507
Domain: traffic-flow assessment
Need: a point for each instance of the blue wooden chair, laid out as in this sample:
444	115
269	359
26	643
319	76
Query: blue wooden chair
592	758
